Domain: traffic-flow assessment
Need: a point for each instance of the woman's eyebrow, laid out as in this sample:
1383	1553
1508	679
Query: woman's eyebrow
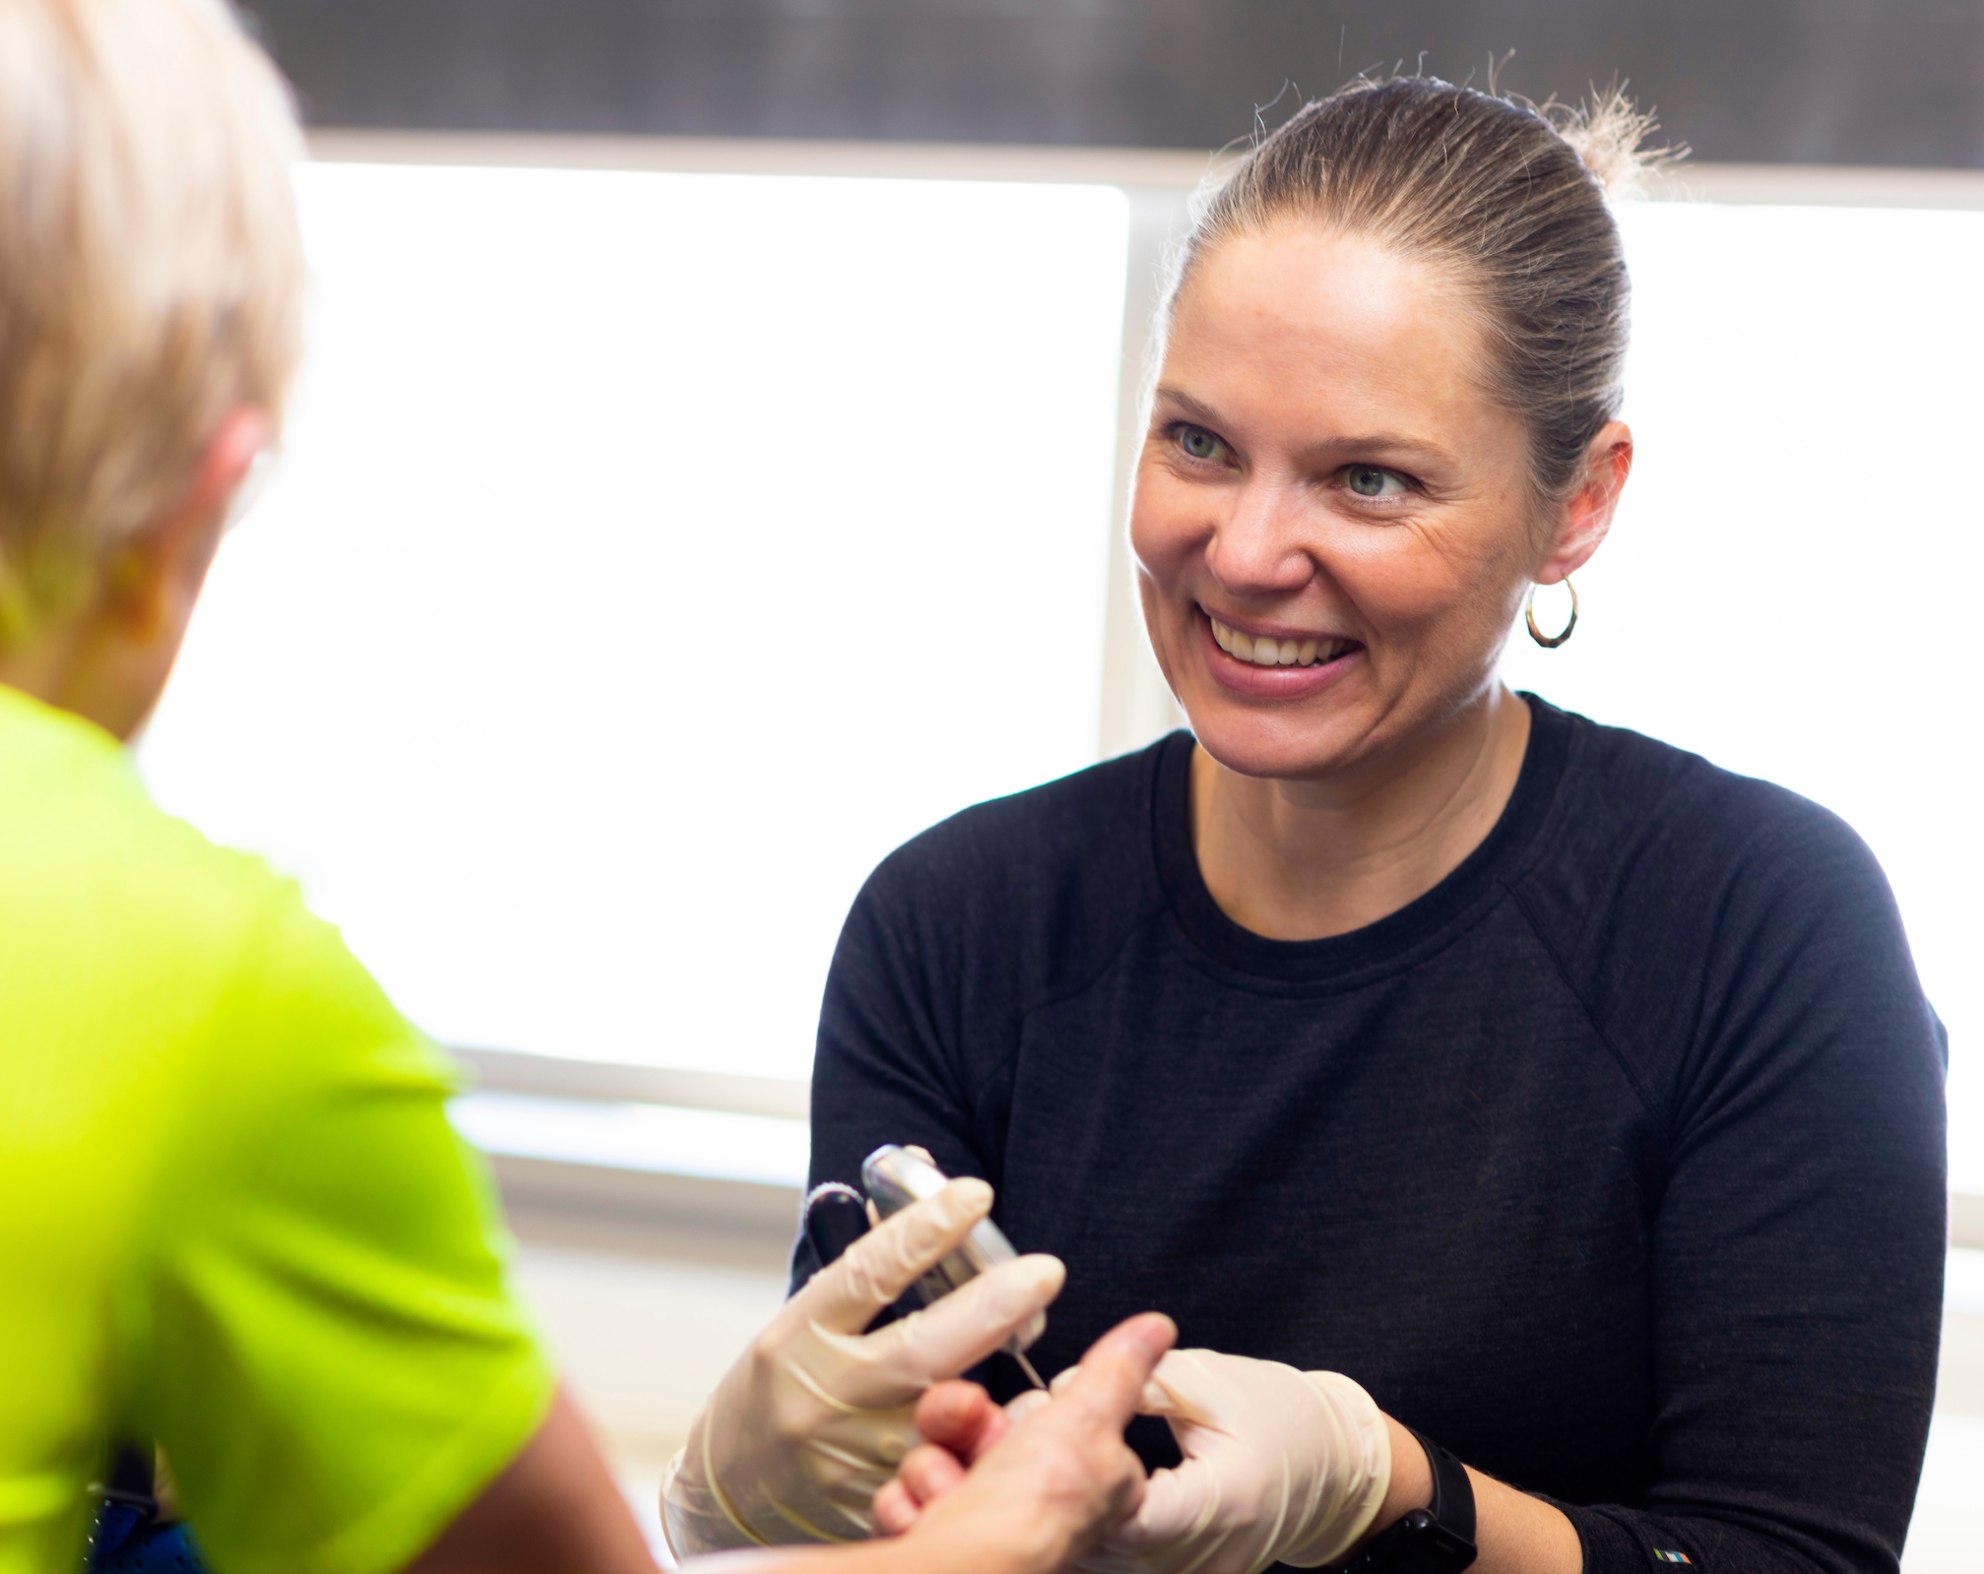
1391	445
1197	409
1387	445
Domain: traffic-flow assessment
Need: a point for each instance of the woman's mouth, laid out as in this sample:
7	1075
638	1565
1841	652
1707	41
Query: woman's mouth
1263	651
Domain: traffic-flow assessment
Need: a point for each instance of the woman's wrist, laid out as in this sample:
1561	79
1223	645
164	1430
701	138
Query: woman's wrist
1411	1484
1513	1530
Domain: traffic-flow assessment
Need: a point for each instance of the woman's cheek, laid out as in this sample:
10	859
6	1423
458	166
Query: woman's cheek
1162	624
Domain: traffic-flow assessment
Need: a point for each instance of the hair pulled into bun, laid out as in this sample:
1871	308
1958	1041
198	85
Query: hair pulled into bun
1508	199
1610	135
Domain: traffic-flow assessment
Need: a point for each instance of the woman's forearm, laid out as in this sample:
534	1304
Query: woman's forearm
1520	1534
1517	1533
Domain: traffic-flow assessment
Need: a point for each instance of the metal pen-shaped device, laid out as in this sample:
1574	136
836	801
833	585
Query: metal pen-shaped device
894	1178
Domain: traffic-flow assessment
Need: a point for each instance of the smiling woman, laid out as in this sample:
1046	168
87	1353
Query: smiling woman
1480	1083
1325	470
1290	365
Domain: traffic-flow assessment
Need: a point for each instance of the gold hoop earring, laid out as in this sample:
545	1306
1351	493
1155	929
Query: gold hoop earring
1550	641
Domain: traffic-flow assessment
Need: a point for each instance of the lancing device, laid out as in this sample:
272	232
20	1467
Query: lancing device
895	1178
836	1217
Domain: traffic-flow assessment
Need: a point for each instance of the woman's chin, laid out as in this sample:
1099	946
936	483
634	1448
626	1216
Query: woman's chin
1272	747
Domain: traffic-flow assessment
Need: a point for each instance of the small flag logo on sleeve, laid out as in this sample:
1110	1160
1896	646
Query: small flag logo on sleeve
1670	1557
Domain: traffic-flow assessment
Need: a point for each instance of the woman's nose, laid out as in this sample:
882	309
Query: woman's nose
1259	546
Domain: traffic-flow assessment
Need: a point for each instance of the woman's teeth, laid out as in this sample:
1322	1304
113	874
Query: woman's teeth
1266	652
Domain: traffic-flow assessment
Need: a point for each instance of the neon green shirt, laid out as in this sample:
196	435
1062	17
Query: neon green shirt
233	1216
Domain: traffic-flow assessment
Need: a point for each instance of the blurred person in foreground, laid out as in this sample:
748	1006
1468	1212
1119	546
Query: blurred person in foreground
233	1216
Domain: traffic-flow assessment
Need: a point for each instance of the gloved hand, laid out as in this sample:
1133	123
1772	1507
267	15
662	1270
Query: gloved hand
813	1419
1280	1466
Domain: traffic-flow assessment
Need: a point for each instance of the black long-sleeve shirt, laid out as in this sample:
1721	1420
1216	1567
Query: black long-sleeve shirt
1614	1163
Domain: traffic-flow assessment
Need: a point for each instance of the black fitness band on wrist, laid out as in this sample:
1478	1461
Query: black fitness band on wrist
1434	1540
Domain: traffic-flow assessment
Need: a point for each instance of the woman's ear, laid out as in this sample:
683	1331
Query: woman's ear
1587	514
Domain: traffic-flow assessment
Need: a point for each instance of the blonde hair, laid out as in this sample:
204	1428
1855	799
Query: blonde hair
1506	198
151	270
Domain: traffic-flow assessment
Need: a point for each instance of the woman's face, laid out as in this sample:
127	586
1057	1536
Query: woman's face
1322	479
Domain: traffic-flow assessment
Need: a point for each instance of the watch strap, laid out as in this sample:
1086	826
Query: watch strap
1437	1539
1453	1493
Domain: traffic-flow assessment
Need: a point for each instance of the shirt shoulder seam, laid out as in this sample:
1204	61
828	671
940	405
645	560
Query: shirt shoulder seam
1153	908
1558	965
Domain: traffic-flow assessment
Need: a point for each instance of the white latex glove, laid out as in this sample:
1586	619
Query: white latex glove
1280	1466
815	1416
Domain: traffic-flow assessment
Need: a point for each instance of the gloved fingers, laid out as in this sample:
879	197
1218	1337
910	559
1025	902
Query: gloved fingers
872	1273
961	1417
1117	1368
1189	1388
1178	1506
958	1331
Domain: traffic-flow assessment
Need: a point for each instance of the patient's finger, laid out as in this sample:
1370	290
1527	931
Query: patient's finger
961	1417
1110	1381
929	1472
893	1510
1152	1402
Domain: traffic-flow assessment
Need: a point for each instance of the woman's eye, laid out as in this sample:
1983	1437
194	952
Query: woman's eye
1373	481
1199	443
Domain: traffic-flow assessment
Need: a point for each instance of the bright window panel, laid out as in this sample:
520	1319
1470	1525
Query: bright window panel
651	554
1789	586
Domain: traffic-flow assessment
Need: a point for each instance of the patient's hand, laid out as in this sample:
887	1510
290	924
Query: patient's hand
1035	1489
959	1421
